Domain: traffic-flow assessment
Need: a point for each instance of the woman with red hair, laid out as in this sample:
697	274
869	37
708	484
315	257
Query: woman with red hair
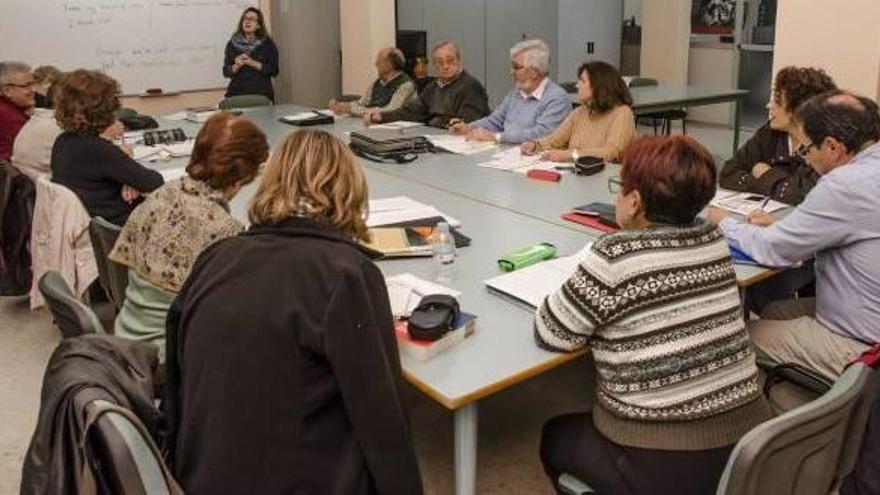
657	303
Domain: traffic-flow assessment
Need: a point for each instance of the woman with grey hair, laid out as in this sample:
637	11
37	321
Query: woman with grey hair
533	108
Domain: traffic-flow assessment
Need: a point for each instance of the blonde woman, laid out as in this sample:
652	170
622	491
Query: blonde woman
282	340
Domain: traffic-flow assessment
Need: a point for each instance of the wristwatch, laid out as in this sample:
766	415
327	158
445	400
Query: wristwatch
574	155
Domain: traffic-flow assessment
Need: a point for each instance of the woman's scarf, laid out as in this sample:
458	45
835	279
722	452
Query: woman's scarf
245	45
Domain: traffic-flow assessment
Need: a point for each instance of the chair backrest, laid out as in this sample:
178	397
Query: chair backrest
126	458
244	101
636	82
71	316
113	276
807	450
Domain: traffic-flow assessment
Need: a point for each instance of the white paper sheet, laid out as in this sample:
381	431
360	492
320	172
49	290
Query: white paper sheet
141	152
533	283
170	174
400	124
406	290
176	116
513	160
743	203
181	149
459	145
386	211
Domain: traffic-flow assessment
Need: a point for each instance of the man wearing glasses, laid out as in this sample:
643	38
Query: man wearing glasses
534	107
16	101
838	225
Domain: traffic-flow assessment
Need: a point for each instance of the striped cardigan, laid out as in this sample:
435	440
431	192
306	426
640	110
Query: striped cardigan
660	310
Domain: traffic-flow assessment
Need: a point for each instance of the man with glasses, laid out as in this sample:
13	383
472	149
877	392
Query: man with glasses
534	107
455	94
838	224
16	101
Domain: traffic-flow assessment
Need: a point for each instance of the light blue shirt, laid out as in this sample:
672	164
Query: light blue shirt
839	224
521	118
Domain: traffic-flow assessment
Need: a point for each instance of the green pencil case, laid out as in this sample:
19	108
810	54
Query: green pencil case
524	257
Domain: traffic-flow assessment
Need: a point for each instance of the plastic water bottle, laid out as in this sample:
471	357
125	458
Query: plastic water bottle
443	245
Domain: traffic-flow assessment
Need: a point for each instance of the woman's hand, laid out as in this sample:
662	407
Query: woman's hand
556	155
129	194
113	131
760	169
528	148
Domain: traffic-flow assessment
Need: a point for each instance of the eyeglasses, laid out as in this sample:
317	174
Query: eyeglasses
804	149
614	184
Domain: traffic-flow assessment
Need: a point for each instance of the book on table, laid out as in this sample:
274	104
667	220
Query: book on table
423	350
400	242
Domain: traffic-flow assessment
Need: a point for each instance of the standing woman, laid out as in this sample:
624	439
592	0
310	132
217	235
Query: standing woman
251	59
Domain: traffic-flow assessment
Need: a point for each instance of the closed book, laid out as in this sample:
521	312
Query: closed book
423	350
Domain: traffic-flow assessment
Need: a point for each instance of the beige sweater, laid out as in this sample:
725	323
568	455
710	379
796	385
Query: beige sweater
602	135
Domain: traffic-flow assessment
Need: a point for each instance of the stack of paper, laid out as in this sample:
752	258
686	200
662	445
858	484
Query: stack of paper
177	150
406	290
400	124
533	283
141	152
398	209
200	117
299	116
513	160
459	145
744	203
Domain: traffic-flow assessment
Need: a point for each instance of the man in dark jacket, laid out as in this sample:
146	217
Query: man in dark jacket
283	370
455	94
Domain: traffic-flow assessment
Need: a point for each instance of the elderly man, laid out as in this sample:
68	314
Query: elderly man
388	92
838	224
532	109
455	94
16	101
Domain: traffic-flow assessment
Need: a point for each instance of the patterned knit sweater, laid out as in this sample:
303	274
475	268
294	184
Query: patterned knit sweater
660	310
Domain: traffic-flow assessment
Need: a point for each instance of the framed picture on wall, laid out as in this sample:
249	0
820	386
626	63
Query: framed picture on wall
713	17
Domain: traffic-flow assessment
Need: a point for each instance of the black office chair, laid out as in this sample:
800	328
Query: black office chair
664	118
125	458
805	451
112	276
71	316
244	101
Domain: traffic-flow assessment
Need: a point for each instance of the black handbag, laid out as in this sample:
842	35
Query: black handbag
139	122
433	317
388	147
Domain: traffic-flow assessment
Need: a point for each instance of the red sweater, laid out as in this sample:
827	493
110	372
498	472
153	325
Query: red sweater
12	119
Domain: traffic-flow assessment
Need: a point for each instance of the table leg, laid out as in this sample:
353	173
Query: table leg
466	449
736	112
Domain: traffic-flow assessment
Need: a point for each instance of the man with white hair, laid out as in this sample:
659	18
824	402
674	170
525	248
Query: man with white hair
455	94
16	100
533	108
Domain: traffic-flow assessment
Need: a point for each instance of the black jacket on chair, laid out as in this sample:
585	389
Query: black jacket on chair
283	371
17	198
80	370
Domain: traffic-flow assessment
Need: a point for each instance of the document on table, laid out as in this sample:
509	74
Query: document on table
513	160
400	124
744	202
459	145
533	283
180	149
397	209
176	116
141	152
169	174
300	116
406	290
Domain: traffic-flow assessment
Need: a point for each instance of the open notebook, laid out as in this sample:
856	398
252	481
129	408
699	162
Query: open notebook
533	283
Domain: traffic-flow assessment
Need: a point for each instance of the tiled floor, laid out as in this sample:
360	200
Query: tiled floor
509	428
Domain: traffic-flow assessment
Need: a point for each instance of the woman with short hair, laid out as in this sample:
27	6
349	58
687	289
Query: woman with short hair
164	235
283	369
104	176
769	163
657	303
601	127
251	57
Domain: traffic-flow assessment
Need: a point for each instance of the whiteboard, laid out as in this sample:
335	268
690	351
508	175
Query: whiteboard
170	44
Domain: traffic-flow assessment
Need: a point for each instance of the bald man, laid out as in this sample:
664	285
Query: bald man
392	88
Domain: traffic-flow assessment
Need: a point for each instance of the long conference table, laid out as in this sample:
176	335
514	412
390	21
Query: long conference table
501	211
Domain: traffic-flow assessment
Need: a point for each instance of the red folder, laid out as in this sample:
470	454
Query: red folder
588	220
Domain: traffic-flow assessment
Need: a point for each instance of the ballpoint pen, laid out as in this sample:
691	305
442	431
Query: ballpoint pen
765	202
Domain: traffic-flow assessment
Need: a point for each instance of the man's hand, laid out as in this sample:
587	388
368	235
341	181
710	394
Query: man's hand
556	155
480	134
716	215
458	127
760	169
528	148
760	217
372	117
129	193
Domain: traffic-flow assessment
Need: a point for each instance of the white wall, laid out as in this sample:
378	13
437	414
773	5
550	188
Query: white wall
666	27
366	26
712	66
841	37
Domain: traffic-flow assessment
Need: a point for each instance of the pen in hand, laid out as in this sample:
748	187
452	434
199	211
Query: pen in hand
765	203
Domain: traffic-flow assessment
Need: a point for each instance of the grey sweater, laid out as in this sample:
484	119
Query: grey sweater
464	98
